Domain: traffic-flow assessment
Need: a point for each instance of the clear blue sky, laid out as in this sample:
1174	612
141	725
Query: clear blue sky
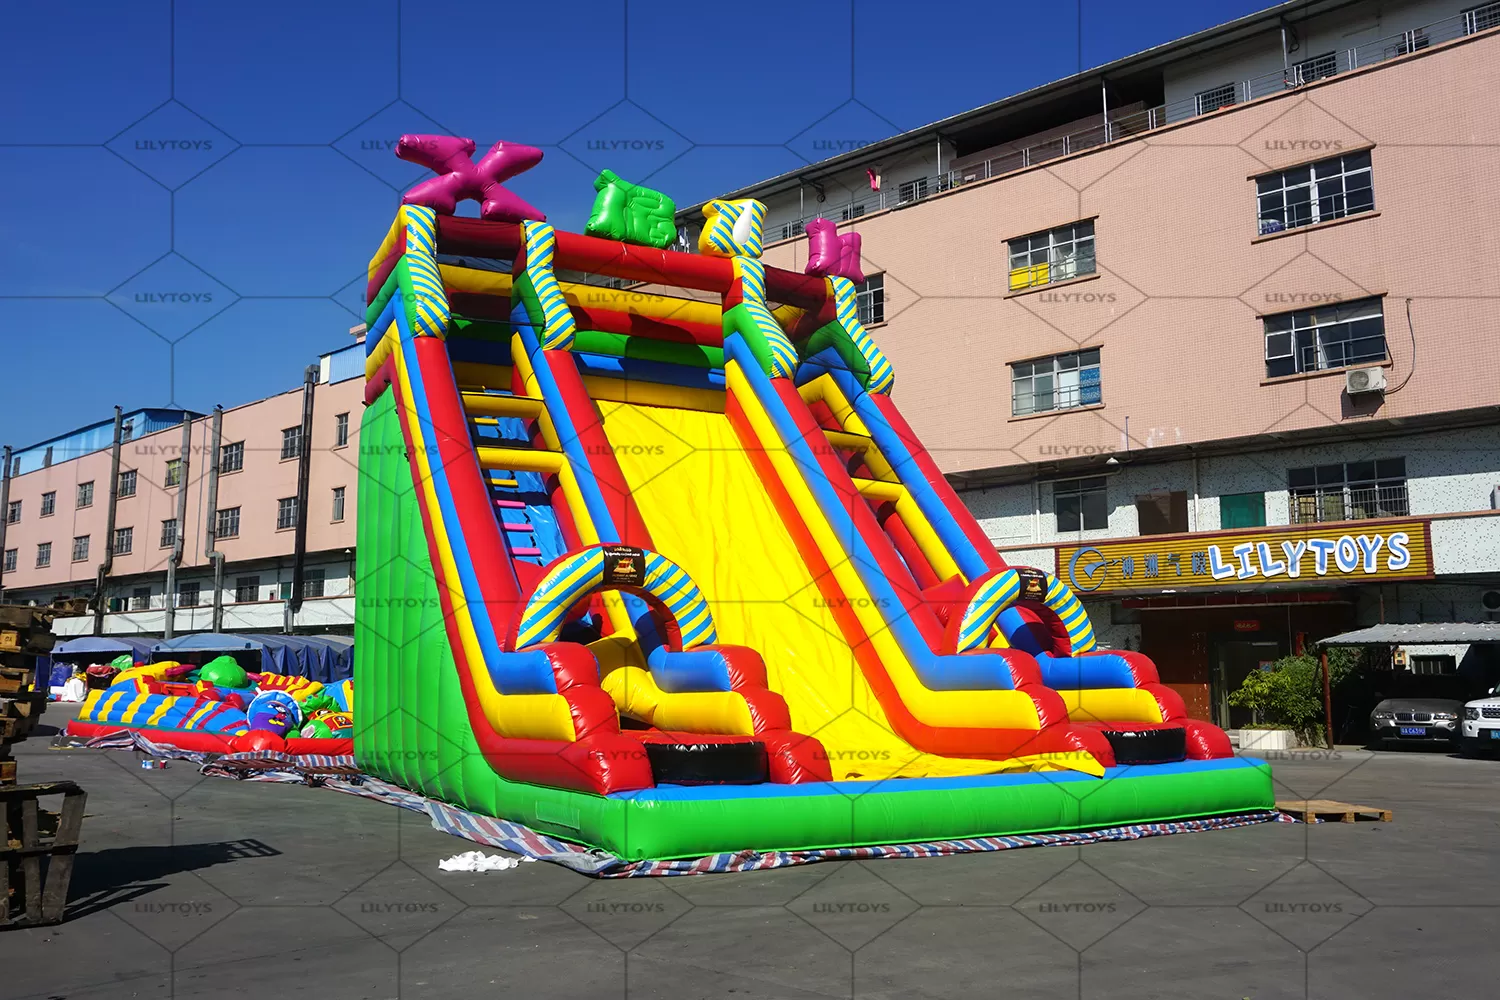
191	191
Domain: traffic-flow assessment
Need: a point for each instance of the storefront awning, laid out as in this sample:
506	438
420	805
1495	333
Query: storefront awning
1422	634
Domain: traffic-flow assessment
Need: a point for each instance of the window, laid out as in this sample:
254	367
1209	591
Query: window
232	457
1434	665
338	503
869	299
1348	491
911	191
1056	255
140	599
227	523
1162	512
1314	340
10	560
312	585
1315	68
188	595
1315	192
85	494
1242	510
849	212
13	512
246	589
1214	99
1055	383
80	548
1412	41
49	503
1482	17
169	533
43	555
1080	504
341	430
286	513
124	539
291	442
127	484
791	229
174	472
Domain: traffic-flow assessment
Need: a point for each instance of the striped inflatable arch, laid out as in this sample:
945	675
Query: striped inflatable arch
846	310
752	275
558	325
578	574
1000	589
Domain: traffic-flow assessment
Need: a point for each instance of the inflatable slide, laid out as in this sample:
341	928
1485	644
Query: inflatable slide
650	561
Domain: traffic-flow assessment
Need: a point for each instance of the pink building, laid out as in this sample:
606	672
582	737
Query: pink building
1235	290
58	533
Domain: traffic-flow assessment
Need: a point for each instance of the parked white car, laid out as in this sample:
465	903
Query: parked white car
1481	725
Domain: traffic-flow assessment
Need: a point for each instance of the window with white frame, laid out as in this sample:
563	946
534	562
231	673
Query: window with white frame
1481	18
286	513
43	555
85	494
246	589
291	443
1056	383
232	457
189	594
1056	255
849	212
127	484
869	299
1348	491
1214	98
80	548
341	430
1334	336
791	230
910	191
124	541
13	512
1081	504
174	472
312	585
338	503
1315	192
140	599
168	533
1315	68
9	565
227	522
49	503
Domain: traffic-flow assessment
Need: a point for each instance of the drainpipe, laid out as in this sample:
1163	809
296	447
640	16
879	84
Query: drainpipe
1104	99
304	470
1195	525
109	526
182	491
210	533
5	513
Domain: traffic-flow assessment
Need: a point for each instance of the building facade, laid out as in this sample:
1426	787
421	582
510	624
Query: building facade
60	530
1214	352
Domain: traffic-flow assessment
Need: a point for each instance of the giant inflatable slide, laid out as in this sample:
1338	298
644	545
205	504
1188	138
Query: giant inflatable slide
650	561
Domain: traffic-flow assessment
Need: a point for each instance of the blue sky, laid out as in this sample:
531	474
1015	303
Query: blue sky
192	190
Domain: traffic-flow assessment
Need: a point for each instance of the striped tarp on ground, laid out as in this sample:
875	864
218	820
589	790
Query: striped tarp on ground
518	839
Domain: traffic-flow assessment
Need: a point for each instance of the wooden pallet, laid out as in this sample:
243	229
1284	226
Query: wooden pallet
34	896
1313	810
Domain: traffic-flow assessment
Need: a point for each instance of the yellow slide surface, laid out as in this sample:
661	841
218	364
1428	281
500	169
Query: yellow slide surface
706	509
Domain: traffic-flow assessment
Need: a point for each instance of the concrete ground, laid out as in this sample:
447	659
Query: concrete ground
205	887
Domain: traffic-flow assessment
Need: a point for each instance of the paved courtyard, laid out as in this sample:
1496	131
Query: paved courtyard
204	887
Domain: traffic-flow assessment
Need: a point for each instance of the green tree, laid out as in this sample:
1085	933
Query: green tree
1289	692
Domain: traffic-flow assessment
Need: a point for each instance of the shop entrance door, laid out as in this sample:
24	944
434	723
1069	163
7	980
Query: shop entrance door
1233	660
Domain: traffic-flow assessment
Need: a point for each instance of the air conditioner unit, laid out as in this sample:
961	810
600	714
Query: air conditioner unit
1490	600
1360	380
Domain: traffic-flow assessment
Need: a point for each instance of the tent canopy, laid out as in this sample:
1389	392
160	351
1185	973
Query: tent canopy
1421	634
104	647
204	642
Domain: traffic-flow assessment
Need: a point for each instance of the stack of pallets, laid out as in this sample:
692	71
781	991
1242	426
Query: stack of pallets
39	844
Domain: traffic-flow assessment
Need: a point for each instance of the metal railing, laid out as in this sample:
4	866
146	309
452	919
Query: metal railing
1125	126
1350	503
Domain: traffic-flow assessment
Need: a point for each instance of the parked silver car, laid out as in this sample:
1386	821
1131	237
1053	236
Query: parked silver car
1416	721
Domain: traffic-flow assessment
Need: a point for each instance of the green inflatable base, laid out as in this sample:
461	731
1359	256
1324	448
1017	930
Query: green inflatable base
412	729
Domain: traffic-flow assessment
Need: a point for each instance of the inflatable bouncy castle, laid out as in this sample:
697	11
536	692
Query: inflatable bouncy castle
663	570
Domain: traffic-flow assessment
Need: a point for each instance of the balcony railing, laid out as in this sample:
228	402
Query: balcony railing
1128	125
1352	503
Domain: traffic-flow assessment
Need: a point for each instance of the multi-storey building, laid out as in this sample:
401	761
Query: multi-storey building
1202	331
86	517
